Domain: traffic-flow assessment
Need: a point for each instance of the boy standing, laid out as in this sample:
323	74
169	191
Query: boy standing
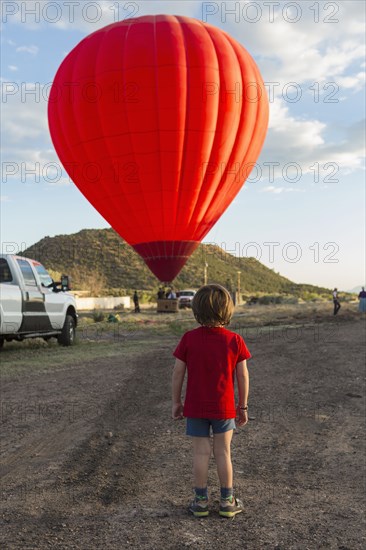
212	356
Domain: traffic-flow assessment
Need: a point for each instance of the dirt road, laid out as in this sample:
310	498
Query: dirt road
91	458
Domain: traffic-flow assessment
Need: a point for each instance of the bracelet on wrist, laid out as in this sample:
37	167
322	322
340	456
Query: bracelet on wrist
244	408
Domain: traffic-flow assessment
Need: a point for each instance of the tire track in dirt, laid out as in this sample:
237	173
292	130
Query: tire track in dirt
111	461
108	465
85	439
49	425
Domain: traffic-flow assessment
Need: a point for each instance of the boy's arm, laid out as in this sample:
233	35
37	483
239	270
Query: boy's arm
242	378
179	372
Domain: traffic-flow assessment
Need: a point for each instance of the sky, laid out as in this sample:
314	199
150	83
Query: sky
301	212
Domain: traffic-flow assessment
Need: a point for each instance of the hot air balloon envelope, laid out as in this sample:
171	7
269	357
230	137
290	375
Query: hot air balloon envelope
158	121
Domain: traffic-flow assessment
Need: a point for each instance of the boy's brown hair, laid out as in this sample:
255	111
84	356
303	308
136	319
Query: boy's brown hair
212	306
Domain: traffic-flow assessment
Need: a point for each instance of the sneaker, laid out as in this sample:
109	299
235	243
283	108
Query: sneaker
234	506
199	507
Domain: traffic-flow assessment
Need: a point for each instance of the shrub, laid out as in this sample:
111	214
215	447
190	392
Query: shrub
268	299
310	296
98	316
290	300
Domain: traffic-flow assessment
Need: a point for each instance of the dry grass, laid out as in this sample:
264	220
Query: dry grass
295	313
148	329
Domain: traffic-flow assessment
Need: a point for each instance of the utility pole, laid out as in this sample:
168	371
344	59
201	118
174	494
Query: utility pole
239	300
205	273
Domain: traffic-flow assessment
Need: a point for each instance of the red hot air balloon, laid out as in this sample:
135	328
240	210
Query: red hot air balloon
158	120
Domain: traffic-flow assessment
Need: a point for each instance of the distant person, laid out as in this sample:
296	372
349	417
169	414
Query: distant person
362	303
136	302
161	294
212	355
337	305
171	295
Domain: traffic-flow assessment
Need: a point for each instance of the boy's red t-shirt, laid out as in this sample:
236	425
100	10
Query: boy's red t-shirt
211	355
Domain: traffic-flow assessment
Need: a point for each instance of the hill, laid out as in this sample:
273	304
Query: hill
99	257
355	290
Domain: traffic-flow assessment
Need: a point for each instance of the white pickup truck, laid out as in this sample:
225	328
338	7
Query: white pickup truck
32	304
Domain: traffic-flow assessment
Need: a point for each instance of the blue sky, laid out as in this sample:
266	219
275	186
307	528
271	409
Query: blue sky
304	219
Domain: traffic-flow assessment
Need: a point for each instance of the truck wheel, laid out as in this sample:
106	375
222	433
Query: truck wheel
1	342
67	336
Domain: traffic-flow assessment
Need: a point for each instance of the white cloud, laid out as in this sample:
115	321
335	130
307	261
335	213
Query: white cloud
306	51
291	132
304	142
355	82
24	117
278	190
29	155
33	50
12	68
5	198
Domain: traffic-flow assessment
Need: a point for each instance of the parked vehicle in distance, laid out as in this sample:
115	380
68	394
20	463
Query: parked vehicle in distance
185	298
32	304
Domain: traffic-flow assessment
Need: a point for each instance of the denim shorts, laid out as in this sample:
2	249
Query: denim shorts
200	427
